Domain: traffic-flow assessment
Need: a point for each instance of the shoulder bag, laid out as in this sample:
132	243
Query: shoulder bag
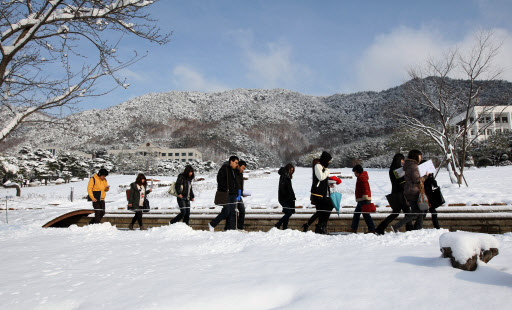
221	198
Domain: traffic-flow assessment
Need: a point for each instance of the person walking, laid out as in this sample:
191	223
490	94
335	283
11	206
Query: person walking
321	193
435	199
411	190
137	199
315	215
239	178
286	195
97	189
397	200
226	183
185	193
363	197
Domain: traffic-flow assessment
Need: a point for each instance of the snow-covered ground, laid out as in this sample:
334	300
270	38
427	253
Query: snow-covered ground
175	267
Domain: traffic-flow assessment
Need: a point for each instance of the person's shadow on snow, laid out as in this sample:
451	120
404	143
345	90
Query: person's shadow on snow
483	274
423	261
486	275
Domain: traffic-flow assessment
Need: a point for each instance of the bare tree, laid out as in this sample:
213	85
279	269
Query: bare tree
450	107
56	52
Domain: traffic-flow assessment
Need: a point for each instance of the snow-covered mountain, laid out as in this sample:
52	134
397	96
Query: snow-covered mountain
271	125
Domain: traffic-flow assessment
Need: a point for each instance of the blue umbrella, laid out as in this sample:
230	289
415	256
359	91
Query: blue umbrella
336	200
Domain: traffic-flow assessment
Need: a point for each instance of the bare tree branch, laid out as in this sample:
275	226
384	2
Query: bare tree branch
46	61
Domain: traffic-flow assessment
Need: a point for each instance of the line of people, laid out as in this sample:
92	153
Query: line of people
404	195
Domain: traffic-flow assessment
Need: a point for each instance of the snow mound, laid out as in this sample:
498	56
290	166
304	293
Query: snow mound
465	245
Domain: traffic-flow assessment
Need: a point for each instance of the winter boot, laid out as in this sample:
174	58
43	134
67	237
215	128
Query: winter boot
319	229
305	227
143	228
130	227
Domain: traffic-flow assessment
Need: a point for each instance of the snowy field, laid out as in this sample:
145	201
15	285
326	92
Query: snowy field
175	267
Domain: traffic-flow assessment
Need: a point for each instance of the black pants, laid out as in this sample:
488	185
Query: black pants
326	207
396	210
416	213
313	218
288	210
99	211
241	216
228	212
435	222
137	217
184	211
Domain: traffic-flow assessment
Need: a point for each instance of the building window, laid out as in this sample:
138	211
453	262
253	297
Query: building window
498	130
190	154
183	154
183	160
471	120
504	119
489	132
488	119
497	119
473	133
481	120
176	154
170	154
163	154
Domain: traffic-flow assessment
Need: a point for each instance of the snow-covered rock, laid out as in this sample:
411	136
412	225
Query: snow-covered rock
464	248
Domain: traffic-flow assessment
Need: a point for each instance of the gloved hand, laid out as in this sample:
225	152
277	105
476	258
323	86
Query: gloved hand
336	179
239	197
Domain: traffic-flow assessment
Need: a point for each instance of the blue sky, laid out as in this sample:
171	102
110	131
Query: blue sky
312	47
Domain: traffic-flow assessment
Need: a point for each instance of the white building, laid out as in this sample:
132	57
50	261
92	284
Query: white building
489	120
57	150
184	155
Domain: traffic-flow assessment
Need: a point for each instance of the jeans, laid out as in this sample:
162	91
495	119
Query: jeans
184	211
288	210
99	211
416	213
367	217
228	212
241	216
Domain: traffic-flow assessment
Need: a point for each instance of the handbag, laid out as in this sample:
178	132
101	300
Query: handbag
145	206
396	201
423	204
172	190
368	208
436	198
221	198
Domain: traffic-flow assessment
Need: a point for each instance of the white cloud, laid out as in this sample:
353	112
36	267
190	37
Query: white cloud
384	64
270	65
188	79
273	67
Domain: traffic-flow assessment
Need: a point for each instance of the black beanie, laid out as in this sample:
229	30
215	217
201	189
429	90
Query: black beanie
325	158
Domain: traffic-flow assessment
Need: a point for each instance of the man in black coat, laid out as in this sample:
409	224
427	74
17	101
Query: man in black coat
239	180
226	182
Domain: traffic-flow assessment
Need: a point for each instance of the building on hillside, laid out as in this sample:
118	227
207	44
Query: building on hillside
178	154
56	150
489	120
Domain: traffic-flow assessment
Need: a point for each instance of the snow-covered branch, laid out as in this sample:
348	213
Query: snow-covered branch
45	56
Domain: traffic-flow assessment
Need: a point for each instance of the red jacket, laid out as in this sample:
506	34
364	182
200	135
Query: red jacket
363	187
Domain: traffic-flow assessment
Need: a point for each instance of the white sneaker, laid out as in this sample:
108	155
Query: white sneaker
210	227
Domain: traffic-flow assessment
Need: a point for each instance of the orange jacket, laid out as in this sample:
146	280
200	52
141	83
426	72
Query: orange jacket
97	185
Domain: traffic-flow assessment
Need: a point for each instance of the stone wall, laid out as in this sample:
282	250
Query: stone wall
494	223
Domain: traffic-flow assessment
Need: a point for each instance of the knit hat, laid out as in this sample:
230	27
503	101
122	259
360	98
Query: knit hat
325	158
